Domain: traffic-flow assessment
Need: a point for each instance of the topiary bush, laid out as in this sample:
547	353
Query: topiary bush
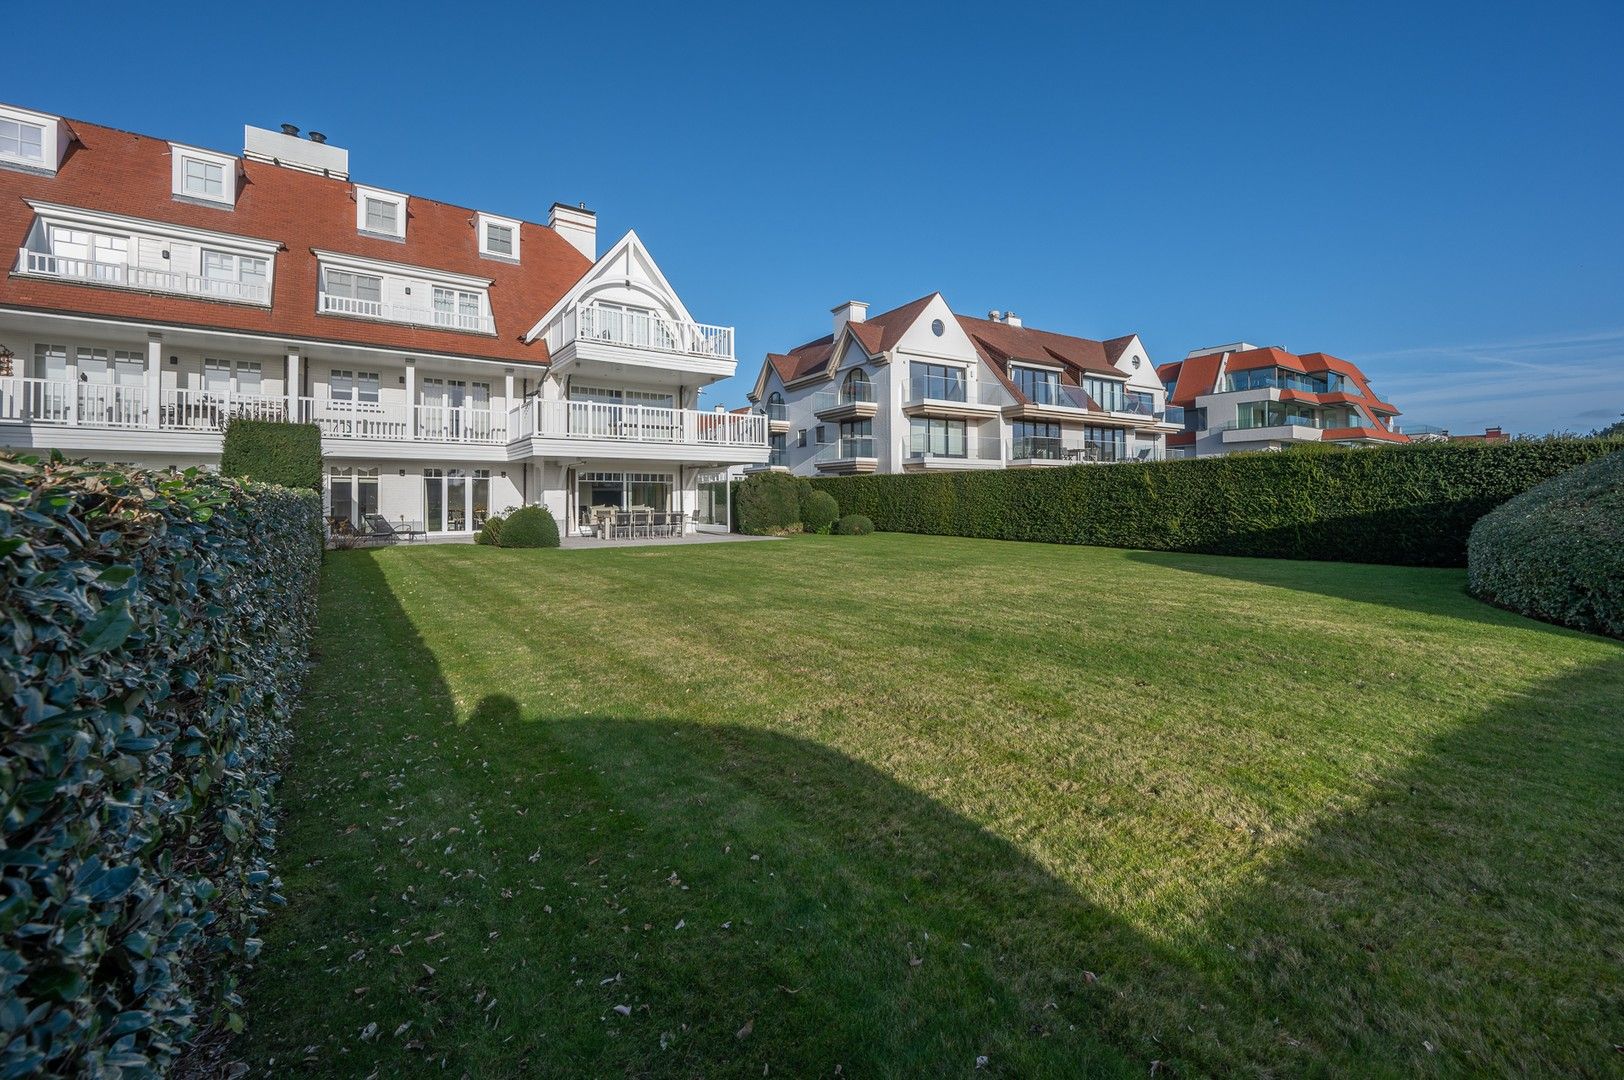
769	503
491	532
158	628
529	527
819	511
854	525
1404	505
1556	552
273	452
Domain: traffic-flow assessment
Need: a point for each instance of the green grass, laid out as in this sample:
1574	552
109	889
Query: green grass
888	804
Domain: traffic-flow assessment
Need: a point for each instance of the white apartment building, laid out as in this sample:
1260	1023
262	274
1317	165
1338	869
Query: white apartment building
458	362
919	387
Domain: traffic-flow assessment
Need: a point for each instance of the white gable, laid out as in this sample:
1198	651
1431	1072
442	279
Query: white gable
921	338
627	274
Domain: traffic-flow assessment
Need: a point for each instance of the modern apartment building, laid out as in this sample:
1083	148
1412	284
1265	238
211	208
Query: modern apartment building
457	361
919	387
1242	397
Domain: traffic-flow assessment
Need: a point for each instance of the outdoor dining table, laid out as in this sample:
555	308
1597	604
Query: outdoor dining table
616	524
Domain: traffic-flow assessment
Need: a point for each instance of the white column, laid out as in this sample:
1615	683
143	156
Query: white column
73	384
295	385
411	398
155	379
508	403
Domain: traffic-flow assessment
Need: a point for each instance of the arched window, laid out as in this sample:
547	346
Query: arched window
856	387
775	406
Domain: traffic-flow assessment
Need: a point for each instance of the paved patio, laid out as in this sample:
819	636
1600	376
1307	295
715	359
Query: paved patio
661	541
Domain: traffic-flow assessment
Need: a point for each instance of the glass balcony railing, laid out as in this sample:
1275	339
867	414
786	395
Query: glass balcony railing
773	410
922	387
934	445
852	393
778	456
1036	448
1055	394
1282	379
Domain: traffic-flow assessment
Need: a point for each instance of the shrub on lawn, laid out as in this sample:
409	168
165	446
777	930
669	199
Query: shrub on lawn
158	627
1556	552
529	527
273	452
769	503
491	532
854	525
1407	505
819	511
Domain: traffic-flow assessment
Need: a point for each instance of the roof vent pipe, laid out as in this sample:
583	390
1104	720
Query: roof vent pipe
290	129
317	137
995	315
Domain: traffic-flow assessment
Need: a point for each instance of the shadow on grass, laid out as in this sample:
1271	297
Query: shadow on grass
1465	916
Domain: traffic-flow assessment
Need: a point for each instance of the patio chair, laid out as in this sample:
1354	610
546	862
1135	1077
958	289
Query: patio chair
380	528
642	522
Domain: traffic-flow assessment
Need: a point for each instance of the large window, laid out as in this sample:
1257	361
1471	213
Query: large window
1042	387
937	438
856	438
362	287
1106	393
939	382
1032	441
856	387
23	142
1104	444
480	504
596	491
353	494
358	386
100	248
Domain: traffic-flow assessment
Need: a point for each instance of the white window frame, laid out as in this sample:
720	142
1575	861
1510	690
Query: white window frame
393	198
485	224
181	155
49	128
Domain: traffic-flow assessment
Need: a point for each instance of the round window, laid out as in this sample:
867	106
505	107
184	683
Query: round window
936	327
1137	361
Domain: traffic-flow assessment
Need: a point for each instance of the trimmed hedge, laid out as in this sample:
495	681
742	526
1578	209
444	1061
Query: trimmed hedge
1556	552
158	629
273	452
490	533
854	525
769	503
529	527
1404	505
819	512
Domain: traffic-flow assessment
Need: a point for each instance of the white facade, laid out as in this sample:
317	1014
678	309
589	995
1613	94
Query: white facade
929	399
441	440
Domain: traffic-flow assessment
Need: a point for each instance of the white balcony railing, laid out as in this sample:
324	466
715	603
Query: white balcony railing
125	276
330	304
593	420
645	330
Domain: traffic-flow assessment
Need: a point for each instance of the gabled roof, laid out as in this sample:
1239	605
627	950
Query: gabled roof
998	343
1198	375
118	172
876	335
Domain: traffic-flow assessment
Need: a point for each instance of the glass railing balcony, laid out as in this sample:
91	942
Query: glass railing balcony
1281	379
1055	394
850	394
1036	448
853	446
778	457
923	388
773	410
1173	414
973	448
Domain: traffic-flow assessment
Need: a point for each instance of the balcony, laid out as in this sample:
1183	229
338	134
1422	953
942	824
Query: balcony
125	276
331	304
854	454
777	414
1037	449
599	429
935	395
853	401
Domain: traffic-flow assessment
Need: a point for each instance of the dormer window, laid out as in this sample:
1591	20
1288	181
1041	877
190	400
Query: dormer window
498	237
29	139
381	213
204	175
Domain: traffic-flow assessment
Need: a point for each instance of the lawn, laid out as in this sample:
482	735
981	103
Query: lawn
885	806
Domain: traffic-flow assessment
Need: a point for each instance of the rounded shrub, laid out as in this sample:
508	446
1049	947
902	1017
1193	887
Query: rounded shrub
491	532
819	511
1556	552
530	527
854	525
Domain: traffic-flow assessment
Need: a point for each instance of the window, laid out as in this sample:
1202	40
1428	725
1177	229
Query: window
363	288
1139	402
204	178
382	216
1042	387
856	438
218	376
937	438
1195	419
454	307
203	174
359	386
856	387
22	141
482	497
353	493
1106	393
101	249
1033	441
51	362
231	275
800	437
936	327
821	438
1104	444
498	237
938	382
382	213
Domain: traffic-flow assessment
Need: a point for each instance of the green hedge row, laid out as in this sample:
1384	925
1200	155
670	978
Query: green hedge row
1556	552
1404	505
157	630
273	452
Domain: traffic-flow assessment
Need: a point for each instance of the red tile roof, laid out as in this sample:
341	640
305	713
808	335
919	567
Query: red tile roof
118	172
875	334
1198	375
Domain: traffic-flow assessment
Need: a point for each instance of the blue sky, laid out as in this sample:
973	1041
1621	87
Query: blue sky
1429	190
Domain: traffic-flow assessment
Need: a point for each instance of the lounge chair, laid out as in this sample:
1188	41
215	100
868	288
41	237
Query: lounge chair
380	528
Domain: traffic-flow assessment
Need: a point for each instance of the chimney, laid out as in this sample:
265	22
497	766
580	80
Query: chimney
850	311
995	315
576	224
286	149
1012	319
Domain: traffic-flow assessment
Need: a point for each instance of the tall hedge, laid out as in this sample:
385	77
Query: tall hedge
769	502
273	452
1404	505
157	628
1556	552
